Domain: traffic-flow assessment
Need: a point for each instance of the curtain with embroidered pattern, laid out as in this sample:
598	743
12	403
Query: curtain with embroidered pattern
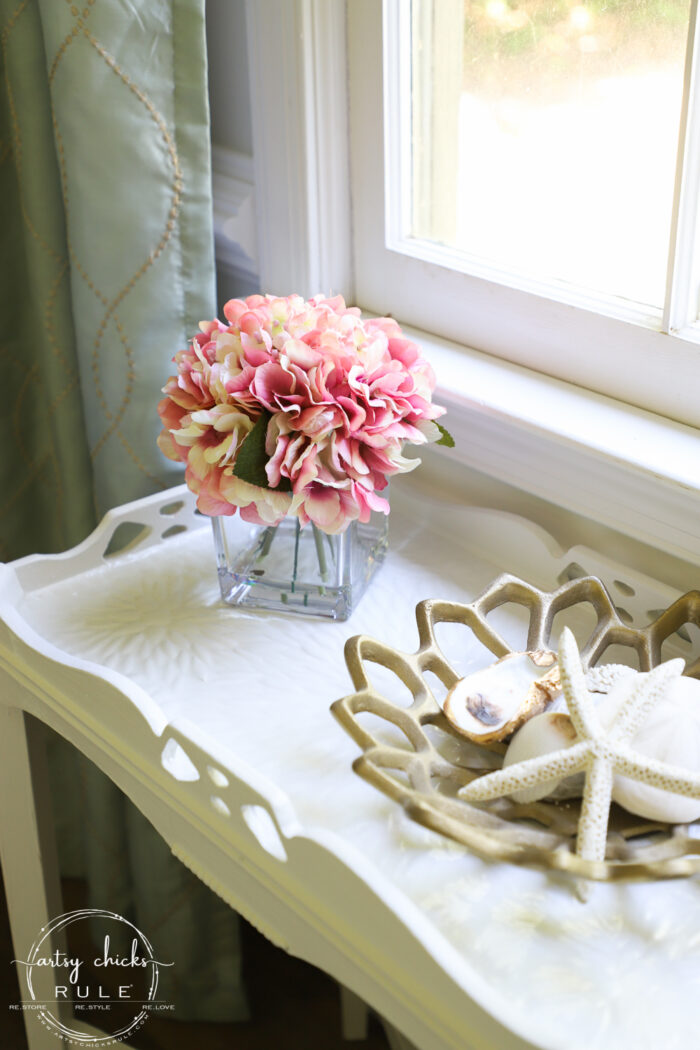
108	265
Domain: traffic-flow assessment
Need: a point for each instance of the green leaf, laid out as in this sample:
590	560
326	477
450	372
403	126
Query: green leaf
445	437
252	457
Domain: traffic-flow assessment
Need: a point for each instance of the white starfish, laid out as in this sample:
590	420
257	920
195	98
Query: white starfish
600	751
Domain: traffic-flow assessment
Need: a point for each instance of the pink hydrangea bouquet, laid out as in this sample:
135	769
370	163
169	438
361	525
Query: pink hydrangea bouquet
297	407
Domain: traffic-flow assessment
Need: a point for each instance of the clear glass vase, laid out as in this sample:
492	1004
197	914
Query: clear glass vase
286	568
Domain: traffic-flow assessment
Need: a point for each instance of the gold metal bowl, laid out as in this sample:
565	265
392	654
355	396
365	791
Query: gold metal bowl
416	758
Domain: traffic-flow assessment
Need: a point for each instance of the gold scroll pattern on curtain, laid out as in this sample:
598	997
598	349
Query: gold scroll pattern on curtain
105	186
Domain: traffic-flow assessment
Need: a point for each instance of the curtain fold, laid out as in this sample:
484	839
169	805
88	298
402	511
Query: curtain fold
45	469
107	244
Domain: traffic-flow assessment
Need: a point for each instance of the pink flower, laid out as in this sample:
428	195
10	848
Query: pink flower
338	397
257	505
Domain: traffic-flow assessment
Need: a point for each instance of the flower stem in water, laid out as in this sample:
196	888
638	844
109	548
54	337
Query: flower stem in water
321	554
270	533
297	532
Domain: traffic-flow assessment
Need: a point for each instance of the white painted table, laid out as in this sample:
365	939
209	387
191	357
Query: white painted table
216	724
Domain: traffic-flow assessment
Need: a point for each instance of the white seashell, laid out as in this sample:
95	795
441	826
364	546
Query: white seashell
553	731
550	731
490	704
670	733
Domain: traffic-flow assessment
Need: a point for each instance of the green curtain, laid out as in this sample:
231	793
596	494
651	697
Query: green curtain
108	265
45	470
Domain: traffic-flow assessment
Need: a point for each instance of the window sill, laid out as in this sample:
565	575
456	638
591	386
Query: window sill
621	466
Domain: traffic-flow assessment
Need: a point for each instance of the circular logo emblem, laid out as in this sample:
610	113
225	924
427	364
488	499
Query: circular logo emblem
91	972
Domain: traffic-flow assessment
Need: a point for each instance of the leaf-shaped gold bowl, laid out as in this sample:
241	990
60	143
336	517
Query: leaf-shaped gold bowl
422	762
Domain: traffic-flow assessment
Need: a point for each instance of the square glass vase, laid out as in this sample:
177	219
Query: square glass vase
303	571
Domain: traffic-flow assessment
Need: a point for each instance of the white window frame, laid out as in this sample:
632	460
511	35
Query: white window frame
630	460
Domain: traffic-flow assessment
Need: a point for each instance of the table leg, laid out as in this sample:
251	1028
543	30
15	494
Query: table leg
396	1040
354	1015
27	847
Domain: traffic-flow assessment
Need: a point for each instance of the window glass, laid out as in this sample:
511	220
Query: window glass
544	136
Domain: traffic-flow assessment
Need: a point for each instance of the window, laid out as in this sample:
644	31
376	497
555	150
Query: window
323	226
519	187
543	138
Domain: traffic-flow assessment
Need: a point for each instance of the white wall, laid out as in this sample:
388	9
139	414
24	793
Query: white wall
229	93
232	138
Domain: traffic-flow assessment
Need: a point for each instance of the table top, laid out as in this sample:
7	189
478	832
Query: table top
253	691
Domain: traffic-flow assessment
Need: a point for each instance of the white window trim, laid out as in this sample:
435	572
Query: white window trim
299	108
627	467
235	229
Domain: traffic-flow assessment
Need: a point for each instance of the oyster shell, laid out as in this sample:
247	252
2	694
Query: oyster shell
490	704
